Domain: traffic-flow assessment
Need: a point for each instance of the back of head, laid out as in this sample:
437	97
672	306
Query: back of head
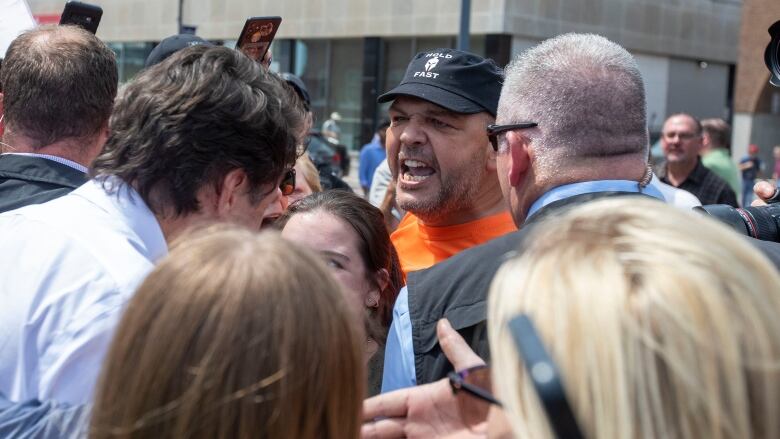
189	120
718	131
662	324
59	82
587	95
233	335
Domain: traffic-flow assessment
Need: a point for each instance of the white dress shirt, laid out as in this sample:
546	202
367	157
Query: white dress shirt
68	267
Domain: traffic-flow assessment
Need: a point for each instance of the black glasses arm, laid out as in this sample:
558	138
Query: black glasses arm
545	378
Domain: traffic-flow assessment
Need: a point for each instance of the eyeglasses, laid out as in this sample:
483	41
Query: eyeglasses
473	387
287	186
494	130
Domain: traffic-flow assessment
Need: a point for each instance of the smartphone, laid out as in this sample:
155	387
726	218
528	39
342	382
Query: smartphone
82	14
256	37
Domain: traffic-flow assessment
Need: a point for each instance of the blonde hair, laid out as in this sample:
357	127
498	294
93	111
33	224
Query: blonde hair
310	173
663	324
234	335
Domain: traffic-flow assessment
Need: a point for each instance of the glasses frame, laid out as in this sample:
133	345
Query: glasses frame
494	130
458	383
545	377
288	180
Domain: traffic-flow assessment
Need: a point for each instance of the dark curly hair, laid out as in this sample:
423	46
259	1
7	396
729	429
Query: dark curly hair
188	121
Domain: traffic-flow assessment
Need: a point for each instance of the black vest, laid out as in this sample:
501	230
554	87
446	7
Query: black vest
26	180
457	289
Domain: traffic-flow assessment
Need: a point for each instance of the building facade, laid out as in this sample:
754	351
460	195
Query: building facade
350	51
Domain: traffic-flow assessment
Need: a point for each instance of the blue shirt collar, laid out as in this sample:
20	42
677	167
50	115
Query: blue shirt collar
587	187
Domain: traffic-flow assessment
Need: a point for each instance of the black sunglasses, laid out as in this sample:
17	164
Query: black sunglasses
287	186
473	387
494	130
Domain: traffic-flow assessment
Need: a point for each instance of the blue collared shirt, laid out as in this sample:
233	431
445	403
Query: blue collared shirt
399	370
68	268
42	420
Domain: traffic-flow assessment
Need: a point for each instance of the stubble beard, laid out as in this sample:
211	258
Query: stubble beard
456	192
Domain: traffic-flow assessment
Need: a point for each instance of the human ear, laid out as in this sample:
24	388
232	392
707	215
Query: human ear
519	157
233	184
380	281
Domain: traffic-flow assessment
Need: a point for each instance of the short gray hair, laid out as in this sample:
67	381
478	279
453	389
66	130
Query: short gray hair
585	92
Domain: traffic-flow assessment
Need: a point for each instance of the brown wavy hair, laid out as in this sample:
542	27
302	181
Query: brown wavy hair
233	335
186	122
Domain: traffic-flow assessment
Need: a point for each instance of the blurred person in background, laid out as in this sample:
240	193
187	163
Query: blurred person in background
715	152
681	143
204	136
372	155
331	127
751	167
349	234
661	324
59	85
233	335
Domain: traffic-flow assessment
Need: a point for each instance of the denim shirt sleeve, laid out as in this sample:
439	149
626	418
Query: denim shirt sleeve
399	353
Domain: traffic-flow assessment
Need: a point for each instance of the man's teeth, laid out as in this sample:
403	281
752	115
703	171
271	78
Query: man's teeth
410	177
414	164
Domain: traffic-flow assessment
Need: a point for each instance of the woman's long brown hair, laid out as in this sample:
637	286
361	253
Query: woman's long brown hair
233	335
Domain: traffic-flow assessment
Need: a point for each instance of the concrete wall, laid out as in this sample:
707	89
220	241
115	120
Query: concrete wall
655	72
699	29
702	92
145	20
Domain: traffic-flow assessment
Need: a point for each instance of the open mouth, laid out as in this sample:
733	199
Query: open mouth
415	171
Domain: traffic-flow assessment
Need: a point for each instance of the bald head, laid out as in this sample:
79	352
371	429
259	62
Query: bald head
59	82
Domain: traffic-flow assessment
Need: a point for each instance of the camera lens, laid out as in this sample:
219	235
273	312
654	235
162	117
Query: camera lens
772	55
757	222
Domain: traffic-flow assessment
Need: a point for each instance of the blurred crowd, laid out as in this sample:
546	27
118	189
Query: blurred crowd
178	262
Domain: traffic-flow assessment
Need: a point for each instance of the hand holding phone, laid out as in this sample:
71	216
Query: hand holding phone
257	35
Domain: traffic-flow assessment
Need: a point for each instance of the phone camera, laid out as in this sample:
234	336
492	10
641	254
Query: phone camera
772	55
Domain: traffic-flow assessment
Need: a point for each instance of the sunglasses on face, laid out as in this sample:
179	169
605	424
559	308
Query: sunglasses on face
494	130
287	186
473	388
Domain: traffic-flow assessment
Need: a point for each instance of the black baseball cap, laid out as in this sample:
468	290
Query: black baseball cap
171	45
300	88
458	81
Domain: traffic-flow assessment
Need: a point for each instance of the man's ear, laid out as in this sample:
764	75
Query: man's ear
519	157
233	184
490	164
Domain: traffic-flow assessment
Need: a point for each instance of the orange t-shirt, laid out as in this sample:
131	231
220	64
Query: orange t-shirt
420	246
